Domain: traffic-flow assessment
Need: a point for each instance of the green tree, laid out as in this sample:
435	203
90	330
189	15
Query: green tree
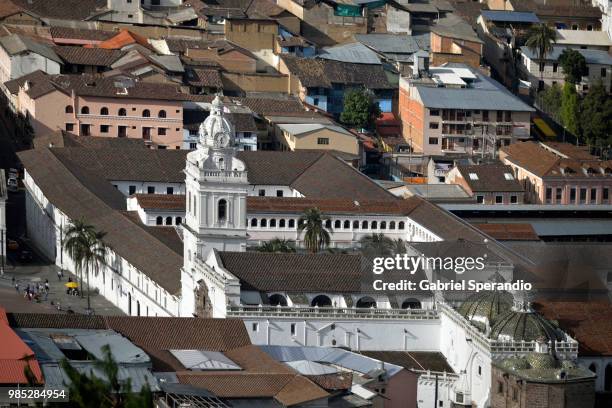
87	390
540	40
360	109
316	236
376	245
570	109
277	245
573	64
596	117
86	248
550	98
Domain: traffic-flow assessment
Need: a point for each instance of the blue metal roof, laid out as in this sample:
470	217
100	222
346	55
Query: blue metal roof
510	16
591	56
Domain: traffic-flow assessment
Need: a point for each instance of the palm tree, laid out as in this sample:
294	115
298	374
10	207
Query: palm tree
277	245
316	236
86	248
540	40
376	245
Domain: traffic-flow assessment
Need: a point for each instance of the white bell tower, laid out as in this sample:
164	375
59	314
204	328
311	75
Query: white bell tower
215	216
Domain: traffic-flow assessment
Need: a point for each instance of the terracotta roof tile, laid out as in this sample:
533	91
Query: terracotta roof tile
204	77
161	201
490	178
297	205
64	33
62	9
509	231
333	382
88	56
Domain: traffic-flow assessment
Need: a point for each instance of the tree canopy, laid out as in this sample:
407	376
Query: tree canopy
570	108
540	40
596	117
573	64
360	109
316	236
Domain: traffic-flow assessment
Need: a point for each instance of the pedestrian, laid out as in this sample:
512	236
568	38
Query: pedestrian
13	280
46	295
59	275
47	285
17	287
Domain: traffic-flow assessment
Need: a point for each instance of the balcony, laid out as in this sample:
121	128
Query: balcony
303	312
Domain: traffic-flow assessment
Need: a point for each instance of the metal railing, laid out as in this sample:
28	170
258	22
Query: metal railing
303	312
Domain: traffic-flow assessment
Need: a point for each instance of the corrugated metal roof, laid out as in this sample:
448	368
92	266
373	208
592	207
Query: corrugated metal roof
16	44
470	99
301	128
510	16
306	367
56	377
591	56
394	43
204	360
356	53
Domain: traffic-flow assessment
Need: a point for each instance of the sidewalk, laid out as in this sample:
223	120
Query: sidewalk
24	275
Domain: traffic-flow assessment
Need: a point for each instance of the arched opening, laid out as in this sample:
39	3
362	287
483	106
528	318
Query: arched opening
383	225
366	302
85	110
321	301
138	308
273	222
263	222
374	225
278	300
337	224
253	222
122	112
347	224
328	224
608	378
281	223
146	113
161	114
159	221
392	225
364	225
292	223
69	109
401	225
129	304
222	210
411	304
593	368
168	220
104	110
355	224
179	221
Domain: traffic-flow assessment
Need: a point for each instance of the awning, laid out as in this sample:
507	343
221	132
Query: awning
544	128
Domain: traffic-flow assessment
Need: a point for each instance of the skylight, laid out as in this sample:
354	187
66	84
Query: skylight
204	360
473	176
508	176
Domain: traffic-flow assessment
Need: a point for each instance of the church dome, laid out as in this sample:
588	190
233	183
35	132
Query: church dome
485	305
216	124
520	325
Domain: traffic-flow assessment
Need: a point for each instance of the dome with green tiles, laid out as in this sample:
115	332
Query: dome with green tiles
486	305
541	360
515	363
520	325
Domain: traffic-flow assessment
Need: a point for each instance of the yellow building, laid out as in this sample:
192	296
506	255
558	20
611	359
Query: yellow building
299	136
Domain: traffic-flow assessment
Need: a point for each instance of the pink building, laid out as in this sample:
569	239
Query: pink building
106	107
559	173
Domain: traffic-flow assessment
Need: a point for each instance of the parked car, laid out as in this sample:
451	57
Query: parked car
12	184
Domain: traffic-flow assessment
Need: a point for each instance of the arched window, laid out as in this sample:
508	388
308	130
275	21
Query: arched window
273	222
328	224
146	113
85	110
347	224
161	114
263	222
366	302
104	111
253	222
593	368
159	221
122	112
278	300
608	378
178	221
291	223
222	210
281	223
364	225
337	224
374	225
69	109
321	301
383	225
401	225
411	304
355	224
168	220
392	225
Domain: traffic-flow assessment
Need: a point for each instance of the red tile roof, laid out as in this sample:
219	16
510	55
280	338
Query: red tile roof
509	231
15	356
122	39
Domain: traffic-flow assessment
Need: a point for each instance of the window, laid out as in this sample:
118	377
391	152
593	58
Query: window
151	190
485	115
263	222
434	112
542	66
593	195
159	221
479	199
262	193
281	223
122	112
69	127
374	225
558	195
555	66
583	193
605	196
573	194
146	113
255	327
69	109
434	125
131	190
85	110
603	72
337	224
383	225
323	140
433	140
104	111
479	370
146	133
355	224
161	131
473	176
104	128
279	193
364	225
401	225
513	199
168	220
392	225
85	130
500	387
222	210
169	190
548	195
193	146
292	223
500	116
161	114
122	131
273	222
293	329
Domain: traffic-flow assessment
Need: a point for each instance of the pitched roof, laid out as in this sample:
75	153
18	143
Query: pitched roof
123	38
88	56
510	16
303	128
490	177
15	356
203	77
291	205
61	138
591	56
509	231
243	122
582	37
355	53
161	201
323	73
413	360
16	44
64	33
62	9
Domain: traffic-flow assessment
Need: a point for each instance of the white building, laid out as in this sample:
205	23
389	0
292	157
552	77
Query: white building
3	238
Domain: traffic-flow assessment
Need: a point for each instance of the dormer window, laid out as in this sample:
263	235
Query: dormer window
590	171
